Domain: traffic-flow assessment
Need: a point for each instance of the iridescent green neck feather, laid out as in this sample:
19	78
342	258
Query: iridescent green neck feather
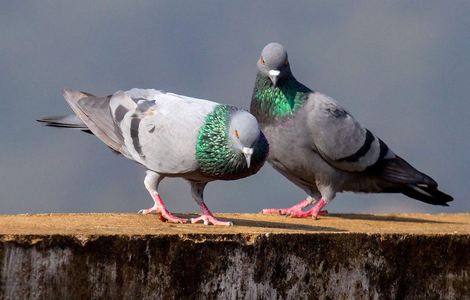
284	100
215	155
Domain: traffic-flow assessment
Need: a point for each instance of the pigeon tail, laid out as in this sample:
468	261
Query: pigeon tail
397	170
411	182
427	194
93	116
70	121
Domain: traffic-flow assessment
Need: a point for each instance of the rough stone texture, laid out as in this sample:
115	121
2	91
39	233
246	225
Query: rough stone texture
114	256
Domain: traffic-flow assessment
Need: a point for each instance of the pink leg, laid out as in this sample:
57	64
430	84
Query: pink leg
160	208
314	211
208	218
294	211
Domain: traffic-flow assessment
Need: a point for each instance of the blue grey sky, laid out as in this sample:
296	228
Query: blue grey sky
401	68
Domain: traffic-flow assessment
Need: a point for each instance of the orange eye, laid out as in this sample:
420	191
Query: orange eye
237	134
286	62
262	60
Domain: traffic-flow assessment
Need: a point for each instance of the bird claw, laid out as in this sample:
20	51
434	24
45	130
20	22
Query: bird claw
288	211
164	215
147	210
207	219
275	211
292	212
282	211
308	213
297	211
172	219
314	211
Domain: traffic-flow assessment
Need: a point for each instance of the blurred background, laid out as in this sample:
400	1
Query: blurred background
401	68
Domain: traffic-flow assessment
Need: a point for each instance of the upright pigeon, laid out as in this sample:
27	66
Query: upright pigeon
321	148
172	136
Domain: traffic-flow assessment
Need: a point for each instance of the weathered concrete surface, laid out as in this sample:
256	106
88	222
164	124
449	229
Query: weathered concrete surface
113	256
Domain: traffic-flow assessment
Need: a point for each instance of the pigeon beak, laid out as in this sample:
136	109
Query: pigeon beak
273	74
247	152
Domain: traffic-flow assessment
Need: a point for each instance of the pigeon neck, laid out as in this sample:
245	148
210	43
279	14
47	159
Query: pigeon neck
283	100
216	156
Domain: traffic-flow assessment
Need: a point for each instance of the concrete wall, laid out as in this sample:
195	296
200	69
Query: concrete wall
230	266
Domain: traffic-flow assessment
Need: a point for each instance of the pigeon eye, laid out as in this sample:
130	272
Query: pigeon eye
237	134
262	60
286	62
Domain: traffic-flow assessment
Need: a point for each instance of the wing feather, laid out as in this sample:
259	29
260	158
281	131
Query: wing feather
161	130
95	113
342	141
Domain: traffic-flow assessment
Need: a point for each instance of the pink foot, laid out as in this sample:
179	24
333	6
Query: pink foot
165	215
210	219
313	212
159	208
308	213
147	211
288	211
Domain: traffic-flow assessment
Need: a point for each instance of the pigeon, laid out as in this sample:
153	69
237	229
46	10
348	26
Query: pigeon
321	148
171	136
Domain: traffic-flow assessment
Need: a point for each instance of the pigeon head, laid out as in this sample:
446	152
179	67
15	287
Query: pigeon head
230	144
244	132
273	62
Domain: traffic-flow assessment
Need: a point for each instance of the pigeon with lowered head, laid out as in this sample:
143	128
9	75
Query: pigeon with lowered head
172	136
321	148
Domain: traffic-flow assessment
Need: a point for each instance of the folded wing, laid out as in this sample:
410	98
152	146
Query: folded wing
347	146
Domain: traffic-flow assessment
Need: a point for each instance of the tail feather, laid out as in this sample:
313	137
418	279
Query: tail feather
399	171
397	175
427	194
70	121
92	115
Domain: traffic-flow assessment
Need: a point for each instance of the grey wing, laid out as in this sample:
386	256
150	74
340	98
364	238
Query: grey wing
340	139
346	145
161	132
96	114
